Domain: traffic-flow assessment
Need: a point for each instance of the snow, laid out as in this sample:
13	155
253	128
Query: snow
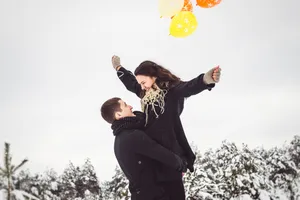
236	173
18	194
2	194
54	185
226	173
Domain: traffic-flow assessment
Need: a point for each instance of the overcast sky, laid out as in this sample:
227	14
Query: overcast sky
55	72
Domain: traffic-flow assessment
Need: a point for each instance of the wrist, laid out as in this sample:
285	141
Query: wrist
117	68
205	81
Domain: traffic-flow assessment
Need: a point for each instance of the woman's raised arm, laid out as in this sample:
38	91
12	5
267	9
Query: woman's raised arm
126	76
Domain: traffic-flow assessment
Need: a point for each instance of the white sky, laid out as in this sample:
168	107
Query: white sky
55	72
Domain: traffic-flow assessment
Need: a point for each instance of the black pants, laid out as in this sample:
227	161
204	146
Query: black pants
174	190
150	193
171	190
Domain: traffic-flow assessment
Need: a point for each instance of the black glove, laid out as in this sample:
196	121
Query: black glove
190	163
190	167
182	164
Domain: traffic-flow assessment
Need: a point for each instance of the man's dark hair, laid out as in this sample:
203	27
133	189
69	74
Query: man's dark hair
109	108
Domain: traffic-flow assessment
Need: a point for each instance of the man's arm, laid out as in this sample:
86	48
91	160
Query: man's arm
144	145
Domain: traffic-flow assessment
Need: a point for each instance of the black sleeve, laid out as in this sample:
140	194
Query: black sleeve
192	87
129	81
144	145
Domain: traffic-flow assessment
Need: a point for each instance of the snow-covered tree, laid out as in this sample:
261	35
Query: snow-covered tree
1	183
68	180
199	184
294	150
226	173
24	181
284	173
47	185
8	171
87	183
117	188
44	186
80	183
251	174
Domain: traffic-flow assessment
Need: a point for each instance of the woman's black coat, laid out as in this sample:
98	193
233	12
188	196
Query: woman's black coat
167	129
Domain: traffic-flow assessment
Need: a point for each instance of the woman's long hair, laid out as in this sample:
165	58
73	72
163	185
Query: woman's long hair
164	78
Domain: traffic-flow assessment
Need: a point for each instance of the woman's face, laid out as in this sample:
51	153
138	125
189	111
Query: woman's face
146	82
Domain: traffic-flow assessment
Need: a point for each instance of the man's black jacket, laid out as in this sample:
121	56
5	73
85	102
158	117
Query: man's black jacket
138	155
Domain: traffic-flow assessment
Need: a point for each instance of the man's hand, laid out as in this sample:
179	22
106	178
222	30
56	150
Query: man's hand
190	162
116	62
182	164
212	76
190	167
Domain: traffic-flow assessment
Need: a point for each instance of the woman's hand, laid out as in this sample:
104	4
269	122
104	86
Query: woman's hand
212	76
116	62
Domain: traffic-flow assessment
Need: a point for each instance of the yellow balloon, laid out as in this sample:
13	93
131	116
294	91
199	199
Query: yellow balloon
169	8
183	24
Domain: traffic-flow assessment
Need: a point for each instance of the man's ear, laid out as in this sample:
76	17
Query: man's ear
118	115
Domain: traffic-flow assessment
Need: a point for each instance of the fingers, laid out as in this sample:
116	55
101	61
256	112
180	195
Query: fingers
217	69
216	74
116	63
216	77
115	57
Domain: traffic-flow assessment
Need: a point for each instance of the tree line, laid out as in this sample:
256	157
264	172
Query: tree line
228	172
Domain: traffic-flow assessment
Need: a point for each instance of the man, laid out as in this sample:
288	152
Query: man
136	153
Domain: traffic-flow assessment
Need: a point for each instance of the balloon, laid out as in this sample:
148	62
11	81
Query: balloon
168	8
188	6
183	24
207	3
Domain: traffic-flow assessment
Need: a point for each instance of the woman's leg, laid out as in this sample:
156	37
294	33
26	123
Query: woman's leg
174	189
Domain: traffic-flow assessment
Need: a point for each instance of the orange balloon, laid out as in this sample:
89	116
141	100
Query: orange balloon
207	3
188	6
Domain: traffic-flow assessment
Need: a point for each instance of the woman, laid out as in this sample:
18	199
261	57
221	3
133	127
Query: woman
162	96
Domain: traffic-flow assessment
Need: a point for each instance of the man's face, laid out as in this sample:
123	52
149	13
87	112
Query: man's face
126	110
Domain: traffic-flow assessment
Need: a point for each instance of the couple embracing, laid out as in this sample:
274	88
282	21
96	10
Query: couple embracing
150	145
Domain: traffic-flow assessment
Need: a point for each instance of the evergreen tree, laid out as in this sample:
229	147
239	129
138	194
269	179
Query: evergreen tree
44	186
48	185
117	188
87	183
199	184
1	183
68	180
283	172
8	171
80	183
294	150
24	181
228	172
